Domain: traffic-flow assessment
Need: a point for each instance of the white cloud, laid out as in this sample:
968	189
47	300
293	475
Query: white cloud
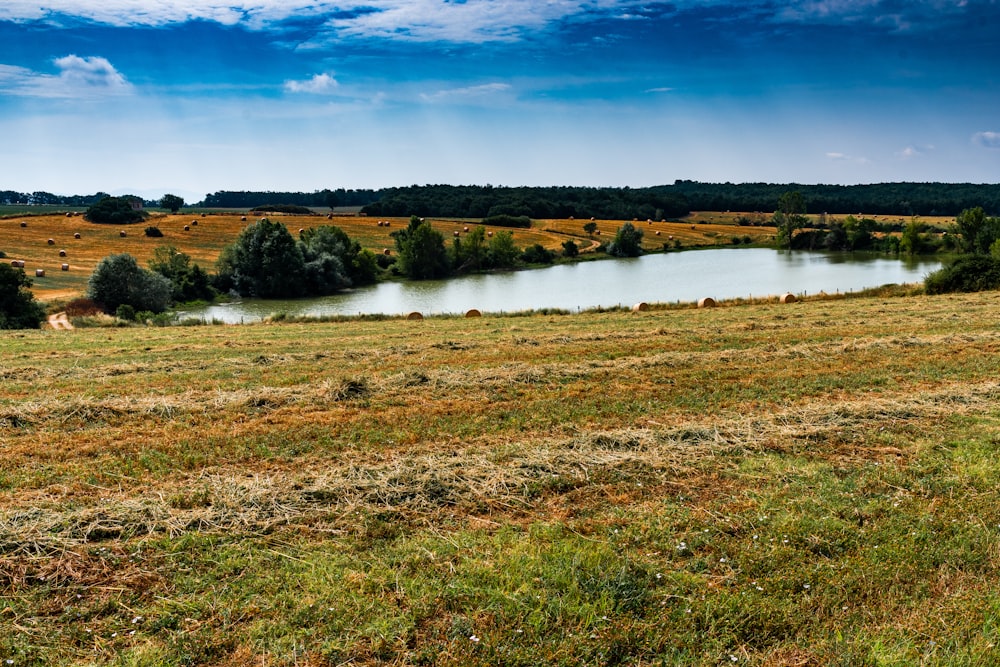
843	157
320	84
987	139
77	77
468	21
658	90
469	92
837	156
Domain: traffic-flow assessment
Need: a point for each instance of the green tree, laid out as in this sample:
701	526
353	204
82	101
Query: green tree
190	282
977	231
115	211
789	217
469	254
570	249
118	280
172	203
422	254
359	265
590	228
18	308
627	242
265	261
502	253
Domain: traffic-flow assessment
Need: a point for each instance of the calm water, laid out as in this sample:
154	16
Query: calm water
685	276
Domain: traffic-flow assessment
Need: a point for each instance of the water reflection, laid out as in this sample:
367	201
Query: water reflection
685	276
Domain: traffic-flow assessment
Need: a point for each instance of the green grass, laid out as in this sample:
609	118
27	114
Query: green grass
764	484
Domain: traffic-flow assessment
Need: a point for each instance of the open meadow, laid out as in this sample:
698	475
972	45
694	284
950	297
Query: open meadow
204	236
766	484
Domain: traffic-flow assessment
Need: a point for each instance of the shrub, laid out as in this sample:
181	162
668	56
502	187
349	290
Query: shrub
153	232
970	273
125	312
118	279
508	221
570	249
627	243
538	254
283	208
82	307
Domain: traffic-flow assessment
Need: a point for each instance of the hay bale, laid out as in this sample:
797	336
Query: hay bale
640	307
187	228
456	232
490	234
77	235
122	234
204	214
62	253
386	251
52	241
415	316
194	223
23	225
65	267
657	232
472	312
39	273
465	229
788	297
706	302
243	218
68	214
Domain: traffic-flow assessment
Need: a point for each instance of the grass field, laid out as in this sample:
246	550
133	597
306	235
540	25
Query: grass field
207	235
767	484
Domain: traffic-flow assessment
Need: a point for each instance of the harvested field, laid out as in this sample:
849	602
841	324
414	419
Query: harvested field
808	483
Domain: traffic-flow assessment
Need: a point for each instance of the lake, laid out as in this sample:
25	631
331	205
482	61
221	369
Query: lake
658	278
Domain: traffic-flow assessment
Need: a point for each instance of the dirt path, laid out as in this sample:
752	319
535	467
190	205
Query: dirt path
59	321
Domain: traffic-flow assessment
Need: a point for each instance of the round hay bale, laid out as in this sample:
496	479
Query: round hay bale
68	214
415	316
490	234
77	235
302	230
788	297
62	253
640	307
386	251
204	214
329	216
706	302
386	223
23	225
657	232
456	232
194	223
598	232
465	229
472	312
122	234
243	218
187	228
39	273
52	241
65	267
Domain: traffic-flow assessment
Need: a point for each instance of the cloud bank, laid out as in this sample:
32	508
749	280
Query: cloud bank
77	77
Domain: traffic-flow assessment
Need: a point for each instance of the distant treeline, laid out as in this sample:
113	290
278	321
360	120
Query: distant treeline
662	201
320	198
878	199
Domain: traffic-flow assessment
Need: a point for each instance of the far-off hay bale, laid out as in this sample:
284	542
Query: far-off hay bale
415	316
243	218
62	253
65	267
194	223
123	234
23	225
386	251
187	228
640	307
77	235
39	273
465	229
52	241
788	297
68	214
706	302
472	312
456	232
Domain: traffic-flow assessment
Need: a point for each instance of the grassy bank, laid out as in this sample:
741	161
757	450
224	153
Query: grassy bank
769	484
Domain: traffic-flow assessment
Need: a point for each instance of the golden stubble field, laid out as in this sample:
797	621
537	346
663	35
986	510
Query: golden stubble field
206	236
774	484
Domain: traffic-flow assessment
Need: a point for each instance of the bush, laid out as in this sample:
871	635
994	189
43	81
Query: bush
570	249
82	307
627	243
153	232
508	221
971	273
118	279
537	254
115	211
18	308
283	208
125	312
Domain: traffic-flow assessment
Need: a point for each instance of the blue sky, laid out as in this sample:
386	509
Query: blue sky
194	96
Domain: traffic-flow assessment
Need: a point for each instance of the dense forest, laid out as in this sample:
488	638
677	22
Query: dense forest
662	201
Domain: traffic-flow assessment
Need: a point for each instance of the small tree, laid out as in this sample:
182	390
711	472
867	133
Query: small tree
627	243
189	281
977	231
502	252
789	217
570	249
422	254
172	203
118	280
18	308
590	228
